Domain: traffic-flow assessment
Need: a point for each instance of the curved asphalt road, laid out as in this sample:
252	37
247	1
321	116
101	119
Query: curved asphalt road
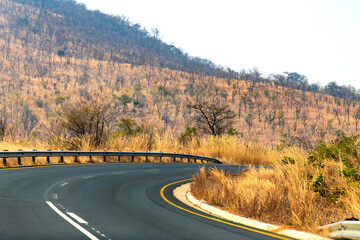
114	201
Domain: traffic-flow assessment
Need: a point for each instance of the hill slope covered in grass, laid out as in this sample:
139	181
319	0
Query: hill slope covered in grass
56	52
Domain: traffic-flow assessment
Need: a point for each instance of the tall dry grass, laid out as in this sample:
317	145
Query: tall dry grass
228	149
282	194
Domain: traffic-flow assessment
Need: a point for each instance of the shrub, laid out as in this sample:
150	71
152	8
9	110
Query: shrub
288	160
128	127
344	152
86	119
188	135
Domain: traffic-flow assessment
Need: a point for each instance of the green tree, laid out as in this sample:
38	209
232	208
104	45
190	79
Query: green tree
125	99
249	120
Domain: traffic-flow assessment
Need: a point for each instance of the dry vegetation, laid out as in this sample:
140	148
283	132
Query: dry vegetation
41	70
301	190
228	149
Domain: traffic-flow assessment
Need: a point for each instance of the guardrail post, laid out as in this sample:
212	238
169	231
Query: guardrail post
61	159
48	157
174	159
19	161
188	160
119	158
76	159
132	158
4	161
33	160
146	159
104	159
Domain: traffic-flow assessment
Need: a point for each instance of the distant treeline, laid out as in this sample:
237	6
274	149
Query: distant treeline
116	39
298	81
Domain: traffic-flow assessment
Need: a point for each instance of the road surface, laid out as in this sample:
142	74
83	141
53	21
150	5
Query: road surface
106	201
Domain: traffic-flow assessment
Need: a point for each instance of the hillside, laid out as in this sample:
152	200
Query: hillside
53	52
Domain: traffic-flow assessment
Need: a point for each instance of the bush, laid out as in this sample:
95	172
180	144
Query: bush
343	149
128	127
188	135
343	153
86	119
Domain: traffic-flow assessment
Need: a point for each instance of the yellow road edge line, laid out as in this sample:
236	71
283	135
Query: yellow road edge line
215	219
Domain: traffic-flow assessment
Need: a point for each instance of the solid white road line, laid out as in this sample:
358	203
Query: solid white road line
63	184
55	196
77	218
72	222
87	177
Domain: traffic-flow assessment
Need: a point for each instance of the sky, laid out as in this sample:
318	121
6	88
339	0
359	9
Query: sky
317	38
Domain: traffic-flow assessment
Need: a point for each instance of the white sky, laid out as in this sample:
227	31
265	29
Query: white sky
316	38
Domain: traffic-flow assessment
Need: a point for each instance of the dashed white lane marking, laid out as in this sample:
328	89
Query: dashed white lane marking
77	218
55	196
63	184
152	170
117	173
72	222
87	177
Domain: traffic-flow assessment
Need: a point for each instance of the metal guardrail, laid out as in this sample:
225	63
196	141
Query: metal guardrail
343	230
4	155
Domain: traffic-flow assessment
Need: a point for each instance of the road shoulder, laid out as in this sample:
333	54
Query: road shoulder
183	193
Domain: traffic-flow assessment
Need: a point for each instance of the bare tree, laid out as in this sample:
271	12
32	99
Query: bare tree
29	119
357	118
3	127
212	117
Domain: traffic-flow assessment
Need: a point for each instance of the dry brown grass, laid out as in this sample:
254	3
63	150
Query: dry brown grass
281	195
228	149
